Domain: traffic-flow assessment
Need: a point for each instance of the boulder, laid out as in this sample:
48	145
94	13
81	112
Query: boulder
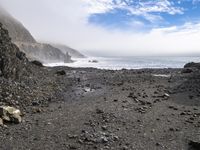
192	65
187	70
37	63
61	72
10	114
93	61
194	145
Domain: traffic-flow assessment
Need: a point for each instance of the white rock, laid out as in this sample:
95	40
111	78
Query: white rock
10	114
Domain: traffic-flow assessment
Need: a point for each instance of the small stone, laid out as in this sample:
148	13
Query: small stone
72	147
104	128
99	111
125	148
1	122
191	96
158	144
166	95
104	139
61	72
116	138
72	136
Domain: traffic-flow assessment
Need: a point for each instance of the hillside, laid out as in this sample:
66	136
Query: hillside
16	30
43	52
72	52
27	44
12	61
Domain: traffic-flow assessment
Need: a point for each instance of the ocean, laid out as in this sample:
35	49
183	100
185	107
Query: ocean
116	63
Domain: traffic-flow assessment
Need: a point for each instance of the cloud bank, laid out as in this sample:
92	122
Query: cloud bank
66	22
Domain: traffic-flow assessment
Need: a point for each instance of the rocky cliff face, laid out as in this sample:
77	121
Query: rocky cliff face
72	52
27	44
12	61
45	53
16	30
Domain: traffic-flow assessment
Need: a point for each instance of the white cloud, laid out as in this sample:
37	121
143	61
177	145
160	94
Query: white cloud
65	21
139	8
99	6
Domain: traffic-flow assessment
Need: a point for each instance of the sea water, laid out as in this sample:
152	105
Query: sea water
116	63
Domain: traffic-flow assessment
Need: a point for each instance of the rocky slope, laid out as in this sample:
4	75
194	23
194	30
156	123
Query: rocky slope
27	44
43	52
72	52
16	30
12	61
23	84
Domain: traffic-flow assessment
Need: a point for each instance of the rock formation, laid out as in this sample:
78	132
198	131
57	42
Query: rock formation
72	52
12	60
27	44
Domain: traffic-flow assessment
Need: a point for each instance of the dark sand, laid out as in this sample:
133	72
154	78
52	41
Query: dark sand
108	110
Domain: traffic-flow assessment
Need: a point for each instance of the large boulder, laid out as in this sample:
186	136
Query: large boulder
10	114
192	65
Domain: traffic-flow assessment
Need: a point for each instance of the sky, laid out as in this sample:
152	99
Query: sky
113	27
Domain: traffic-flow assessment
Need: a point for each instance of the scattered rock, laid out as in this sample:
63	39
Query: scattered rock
1	122
99	111
37	63
166	95
125	148
104	128
93	61
194	145
187	70
104	139
115	100
72	147
61	73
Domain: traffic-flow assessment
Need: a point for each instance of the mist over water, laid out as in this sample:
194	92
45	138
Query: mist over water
116	63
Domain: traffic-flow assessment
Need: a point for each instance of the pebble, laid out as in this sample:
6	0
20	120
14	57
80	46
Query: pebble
99	111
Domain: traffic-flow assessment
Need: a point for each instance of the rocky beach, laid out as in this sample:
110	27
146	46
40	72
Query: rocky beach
87	109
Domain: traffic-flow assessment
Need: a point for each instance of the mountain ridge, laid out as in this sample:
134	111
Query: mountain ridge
34	50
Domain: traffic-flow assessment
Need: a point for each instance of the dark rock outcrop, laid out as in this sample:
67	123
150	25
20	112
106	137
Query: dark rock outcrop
72	52
12	61
21	82
44	53
37	63
192	65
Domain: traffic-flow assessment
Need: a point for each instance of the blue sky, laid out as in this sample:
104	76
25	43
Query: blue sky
113	27
144	15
